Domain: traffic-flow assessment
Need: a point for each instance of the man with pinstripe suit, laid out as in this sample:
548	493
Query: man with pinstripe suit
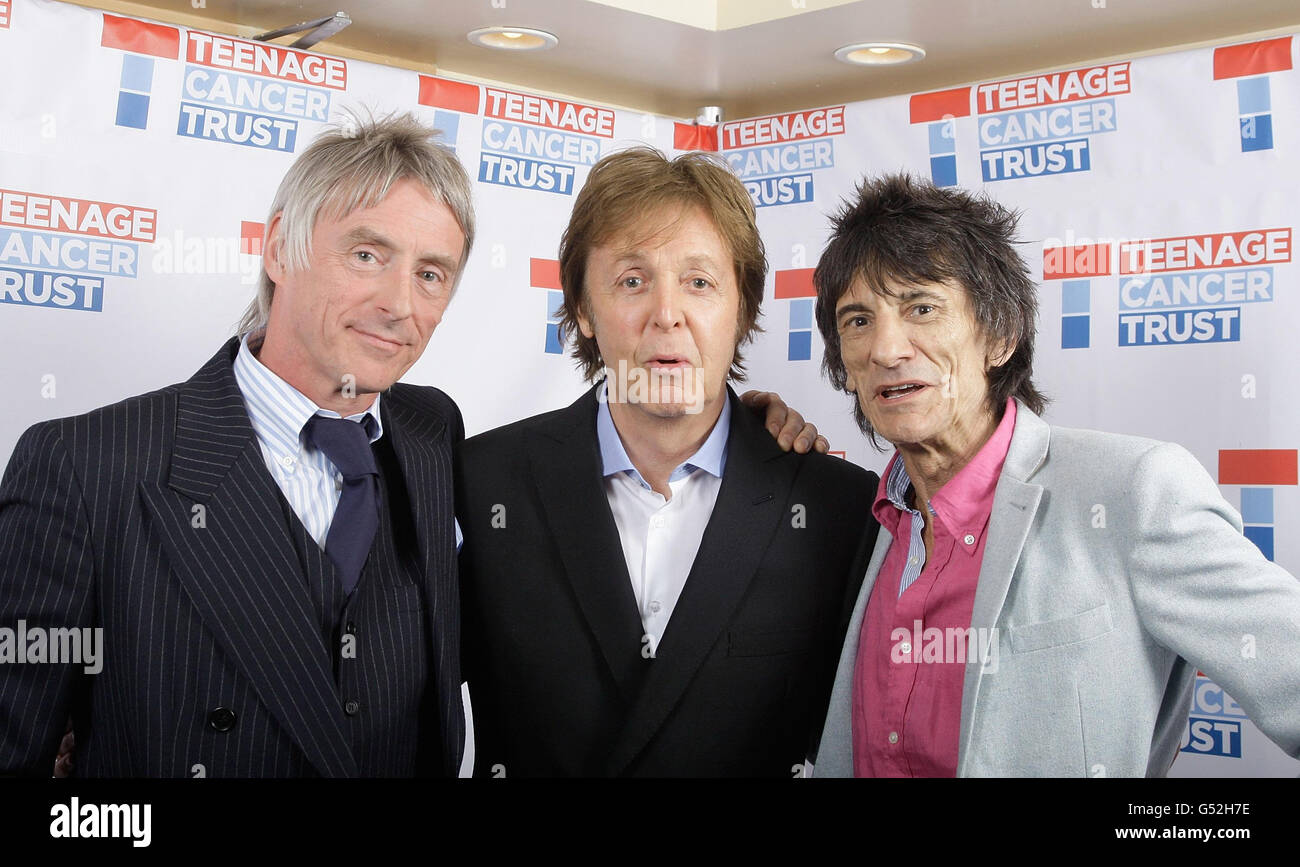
269	547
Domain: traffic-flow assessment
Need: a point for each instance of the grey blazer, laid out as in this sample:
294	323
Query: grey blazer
1114	569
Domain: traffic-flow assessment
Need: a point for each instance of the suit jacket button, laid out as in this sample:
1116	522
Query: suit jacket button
351	707
222	719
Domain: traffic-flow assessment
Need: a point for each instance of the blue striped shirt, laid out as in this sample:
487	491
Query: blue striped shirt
310	481
897	485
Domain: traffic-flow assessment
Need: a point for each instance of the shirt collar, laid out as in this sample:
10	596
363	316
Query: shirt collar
277	410
710	457
964	503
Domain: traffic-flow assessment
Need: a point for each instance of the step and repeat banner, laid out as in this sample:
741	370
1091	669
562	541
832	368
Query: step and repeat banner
1159	200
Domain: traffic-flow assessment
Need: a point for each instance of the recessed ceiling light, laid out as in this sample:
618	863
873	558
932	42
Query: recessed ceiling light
879	53
513	38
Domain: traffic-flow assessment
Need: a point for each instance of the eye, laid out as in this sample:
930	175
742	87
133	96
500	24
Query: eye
365	256
700	283
923	309
430	276
632	282
857	320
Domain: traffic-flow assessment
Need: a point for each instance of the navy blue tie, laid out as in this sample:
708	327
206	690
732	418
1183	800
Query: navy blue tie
356	519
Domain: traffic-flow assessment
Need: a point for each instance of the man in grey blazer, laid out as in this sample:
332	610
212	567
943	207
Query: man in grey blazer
1040	598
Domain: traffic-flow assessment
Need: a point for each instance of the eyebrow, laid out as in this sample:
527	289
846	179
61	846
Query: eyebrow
904	297
367	235
637	255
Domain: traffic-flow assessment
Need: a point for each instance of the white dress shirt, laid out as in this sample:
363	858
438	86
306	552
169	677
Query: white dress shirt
310	481
661	536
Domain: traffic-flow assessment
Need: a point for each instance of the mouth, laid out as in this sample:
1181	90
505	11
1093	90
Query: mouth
900	391
668	362
385	343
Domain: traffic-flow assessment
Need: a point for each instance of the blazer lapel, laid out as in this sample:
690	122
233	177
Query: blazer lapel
1015	503
744	520
221	522
835	747
566	464
426	468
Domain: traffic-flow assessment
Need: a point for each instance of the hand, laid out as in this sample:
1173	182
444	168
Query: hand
785	424
63	765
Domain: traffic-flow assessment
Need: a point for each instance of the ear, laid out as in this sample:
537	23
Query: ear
273	250
584	324
1000	353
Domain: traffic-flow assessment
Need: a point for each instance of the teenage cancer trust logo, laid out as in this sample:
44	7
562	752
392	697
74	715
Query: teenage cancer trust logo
1190	289
1028	127
776	156
537	143
247	93
1180	290
1043	125
253	93
56	251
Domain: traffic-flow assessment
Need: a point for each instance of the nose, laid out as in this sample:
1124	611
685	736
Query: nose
891	341
667	304
393	294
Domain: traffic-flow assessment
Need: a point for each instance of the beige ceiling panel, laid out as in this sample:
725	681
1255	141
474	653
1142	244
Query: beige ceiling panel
721	14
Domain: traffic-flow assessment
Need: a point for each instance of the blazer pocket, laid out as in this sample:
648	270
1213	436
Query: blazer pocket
1055	633
768	643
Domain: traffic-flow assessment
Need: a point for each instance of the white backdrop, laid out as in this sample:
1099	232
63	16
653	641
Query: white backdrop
135	175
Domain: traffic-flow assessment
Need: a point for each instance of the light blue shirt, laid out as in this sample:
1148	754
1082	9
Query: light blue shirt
711	456
660	535
278	411
897	484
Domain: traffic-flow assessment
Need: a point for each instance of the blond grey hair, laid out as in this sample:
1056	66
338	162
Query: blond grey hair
353	166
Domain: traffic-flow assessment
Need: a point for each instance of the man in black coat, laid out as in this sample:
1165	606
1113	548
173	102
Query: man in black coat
261	559
651	586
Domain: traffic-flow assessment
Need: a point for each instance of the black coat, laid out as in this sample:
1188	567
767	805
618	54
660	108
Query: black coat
558	672
205	608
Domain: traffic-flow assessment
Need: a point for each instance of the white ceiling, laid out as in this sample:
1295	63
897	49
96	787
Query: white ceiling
751	57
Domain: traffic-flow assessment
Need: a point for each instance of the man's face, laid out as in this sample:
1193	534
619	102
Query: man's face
918	363
365	306
663	304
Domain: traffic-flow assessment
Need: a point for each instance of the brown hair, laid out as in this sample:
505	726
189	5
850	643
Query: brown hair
900	228
620	191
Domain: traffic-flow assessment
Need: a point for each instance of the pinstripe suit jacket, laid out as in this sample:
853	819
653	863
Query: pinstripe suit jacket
157	520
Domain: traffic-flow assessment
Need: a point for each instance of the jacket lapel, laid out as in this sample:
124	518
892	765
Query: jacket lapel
417	438
1015	503
743	522
565	459
220	520
835	748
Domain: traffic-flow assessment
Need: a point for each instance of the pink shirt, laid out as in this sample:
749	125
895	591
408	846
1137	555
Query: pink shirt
910	668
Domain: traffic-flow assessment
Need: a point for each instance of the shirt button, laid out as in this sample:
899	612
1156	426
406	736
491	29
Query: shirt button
912	562
654	607
893	737
351	707
969	539
657	521
287	462
905	647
